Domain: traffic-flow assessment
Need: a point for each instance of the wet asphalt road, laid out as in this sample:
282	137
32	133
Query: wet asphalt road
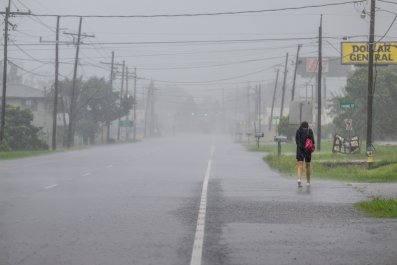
139	203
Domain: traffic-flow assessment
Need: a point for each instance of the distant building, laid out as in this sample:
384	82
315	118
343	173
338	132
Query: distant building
36	100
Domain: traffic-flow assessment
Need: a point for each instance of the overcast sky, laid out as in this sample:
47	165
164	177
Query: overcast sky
194	66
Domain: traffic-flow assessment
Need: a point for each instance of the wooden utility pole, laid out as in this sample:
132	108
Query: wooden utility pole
274	98
148	100
260	108
6	14
72	114
73	93
319	78
135	104
370	74
55	110
152	116
248	127
3	99
111	78
121	98
296	69
126	95
111	91
283	88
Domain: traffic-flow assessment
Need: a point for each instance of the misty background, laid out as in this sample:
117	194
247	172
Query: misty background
202	70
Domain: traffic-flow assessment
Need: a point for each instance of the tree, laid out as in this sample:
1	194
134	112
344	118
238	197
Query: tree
19	133
96	105
284	128
385	96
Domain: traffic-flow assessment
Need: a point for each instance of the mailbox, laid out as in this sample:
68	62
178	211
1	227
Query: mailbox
280	138
259	135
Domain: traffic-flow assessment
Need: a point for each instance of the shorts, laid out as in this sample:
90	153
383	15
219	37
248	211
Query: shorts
302	155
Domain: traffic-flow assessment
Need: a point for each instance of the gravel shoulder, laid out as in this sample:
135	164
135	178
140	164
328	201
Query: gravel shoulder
377	190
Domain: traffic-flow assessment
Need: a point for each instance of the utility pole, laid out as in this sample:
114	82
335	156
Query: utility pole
135	104
146	111
152	116
121	98
223	110
296	69
370	74
126	95
284	85
7	14
73	97
111	78
274	98
111	91
3	99
320	70
150	110
259	107
248	126
55	111
72	114
56	86
325	91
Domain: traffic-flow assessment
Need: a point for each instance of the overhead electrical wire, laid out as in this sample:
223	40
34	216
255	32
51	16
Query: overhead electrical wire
28	71
389	2
212	81
387	31
36	19
206	14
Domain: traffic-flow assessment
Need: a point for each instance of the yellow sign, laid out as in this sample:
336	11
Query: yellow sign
357	53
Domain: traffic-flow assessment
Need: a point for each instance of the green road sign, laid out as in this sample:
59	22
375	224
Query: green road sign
126	123
347	105
276	117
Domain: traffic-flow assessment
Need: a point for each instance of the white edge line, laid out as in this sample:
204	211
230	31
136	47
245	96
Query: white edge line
50	187
197	251
86	174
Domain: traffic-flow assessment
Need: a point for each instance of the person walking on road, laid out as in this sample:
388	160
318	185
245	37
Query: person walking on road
303	133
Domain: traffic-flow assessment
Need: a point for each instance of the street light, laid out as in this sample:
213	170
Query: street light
363	14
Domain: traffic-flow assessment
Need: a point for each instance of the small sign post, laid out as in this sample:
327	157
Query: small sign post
347	105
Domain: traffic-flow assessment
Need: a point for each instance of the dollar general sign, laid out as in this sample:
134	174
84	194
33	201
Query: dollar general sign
357	53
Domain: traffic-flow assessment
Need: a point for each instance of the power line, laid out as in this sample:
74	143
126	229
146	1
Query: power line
211	81
36	19
206	14
28	71
389	2
387	31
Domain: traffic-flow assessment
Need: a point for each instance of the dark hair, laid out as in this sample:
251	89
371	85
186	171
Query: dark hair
304	124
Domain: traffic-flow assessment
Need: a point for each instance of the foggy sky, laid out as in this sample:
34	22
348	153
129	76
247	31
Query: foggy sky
201	67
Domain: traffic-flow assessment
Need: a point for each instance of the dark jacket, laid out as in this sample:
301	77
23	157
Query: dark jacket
301	136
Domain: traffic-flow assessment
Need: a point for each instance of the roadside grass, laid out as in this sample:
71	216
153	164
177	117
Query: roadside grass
379	208
8	155
328	165
22	154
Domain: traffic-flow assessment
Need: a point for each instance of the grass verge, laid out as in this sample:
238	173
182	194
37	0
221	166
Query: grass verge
379	208
21	154
335	166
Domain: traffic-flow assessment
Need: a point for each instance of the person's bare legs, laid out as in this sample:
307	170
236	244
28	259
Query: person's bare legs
299	173
308	172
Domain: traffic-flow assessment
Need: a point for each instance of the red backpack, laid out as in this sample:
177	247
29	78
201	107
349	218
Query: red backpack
309	146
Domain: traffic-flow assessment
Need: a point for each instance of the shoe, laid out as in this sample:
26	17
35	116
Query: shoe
299	184
308	184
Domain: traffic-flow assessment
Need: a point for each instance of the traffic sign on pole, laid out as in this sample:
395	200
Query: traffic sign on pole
347	105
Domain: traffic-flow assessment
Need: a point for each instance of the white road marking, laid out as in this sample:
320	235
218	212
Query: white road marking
86	174
109	166
197	251
50	187
212	151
